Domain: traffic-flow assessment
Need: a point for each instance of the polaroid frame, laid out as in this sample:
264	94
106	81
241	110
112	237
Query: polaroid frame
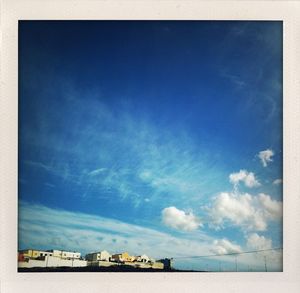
14	10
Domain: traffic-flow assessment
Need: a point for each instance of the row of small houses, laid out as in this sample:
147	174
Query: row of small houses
30	258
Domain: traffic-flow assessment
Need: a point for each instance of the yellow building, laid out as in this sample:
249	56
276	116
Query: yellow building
123	257
30	253
33	253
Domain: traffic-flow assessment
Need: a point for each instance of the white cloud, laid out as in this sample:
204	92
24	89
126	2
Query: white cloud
49	184
272	208
245	211
130	155
256	242
265	156
177	219
145	175
45	228
224	246
97	171
277	181
247	177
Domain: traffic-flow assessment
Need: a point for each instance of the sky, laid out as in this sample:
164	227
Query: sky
155	137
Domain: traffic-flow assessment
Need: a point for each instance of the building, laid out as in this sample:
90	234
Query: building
31	258
33	254
51	261
65	254
29	253
142	258
122	257
167	262
97	256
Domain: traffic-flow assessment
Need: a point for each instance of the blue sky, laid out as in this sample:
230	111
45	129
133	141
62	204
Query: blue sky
171	130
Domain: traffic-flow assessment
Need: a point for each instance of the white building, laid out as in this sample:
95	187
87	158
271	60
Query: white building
65	254
52	261
142	258
97	256
45	253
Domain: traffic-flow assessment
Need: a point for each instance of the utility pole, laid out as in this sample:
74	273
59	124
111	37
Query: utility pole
265	258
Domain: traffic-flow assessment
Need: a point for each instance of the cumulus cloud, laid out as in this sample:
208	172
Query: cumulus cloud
245	211
277	181
272	208
178	219
224	246
244	176
266	157
254	241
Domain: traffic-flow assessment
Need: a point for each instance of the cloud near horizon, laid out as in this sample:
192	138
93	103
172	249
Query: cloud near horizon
256	242
41	227
224	246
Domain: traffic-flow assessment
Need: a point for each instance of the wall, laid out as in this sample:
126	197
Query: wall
91	256
156	265
52	261
32	263
101	263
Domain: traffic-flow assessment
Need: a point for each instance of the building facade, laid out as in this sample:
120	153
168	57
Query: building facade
34	254
142	258
97	256
122	257
65	254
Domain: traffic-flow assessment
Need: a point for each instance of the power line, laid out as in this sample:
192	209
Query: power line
233	253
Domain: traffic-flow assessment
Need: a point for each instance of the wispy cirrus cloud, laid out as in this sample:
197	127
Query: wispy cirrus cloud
46	228
61	169
128	156
40	165
97	171
235	79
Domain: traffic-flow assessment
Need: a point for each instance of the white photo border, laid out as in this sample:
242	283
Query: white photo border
14	10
